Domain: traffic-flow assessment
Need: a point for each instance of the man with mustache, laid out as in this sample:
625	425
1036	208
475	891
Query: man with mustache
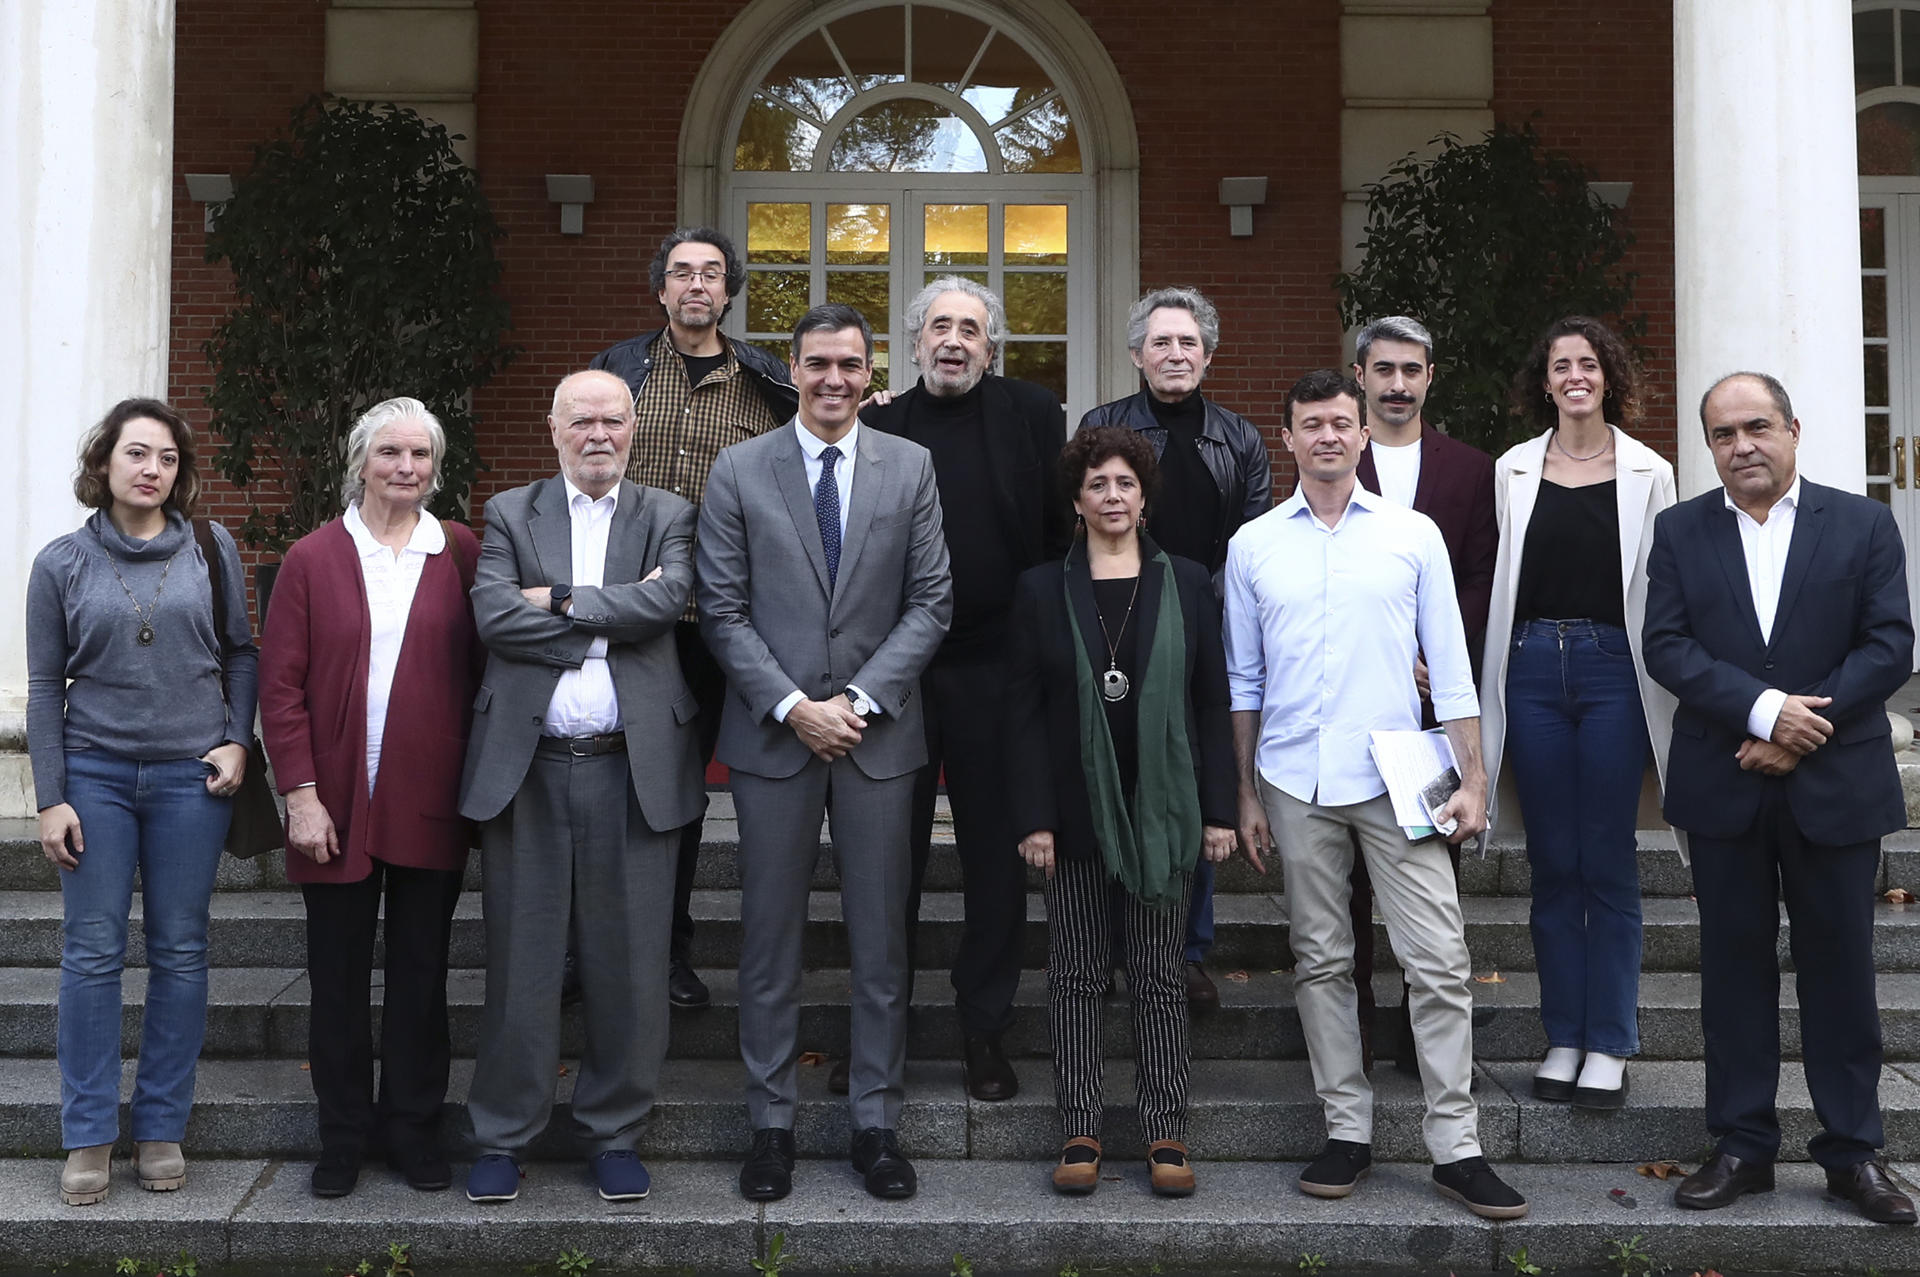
1215	475
694	393
995	441
1328	597
1413	464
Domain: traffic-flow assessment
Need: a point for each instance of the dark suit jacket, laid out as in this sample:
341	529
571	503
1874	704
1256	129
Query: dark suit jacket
1842	630
1025	428
1455	490
1046	786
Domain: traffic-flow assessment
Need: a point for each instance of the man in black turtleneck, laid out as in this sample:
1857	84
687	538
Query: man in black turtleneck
1214	475
994	442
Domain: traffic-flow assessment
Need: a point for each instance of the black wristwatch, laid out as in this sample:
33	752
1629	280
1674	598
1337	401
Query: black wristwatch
557	599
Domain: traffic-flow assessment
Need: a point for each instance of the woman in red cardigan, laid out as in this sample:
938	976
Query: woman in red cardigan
368	670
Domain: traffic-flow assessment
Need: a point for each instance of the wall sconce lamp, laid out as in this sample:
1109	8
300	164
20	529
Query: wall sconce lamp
1242	195
1612	194
211	189
572	192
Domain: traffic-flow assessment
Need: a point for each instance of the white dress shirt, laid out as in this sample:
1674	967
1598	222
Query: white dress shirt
1398	470
584	702
391	578
1322	624
1765	546
811	446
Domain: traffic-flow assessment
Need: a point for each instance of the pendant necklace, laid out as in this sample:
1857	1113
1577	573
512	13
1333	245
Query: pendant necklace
145	615
1114	684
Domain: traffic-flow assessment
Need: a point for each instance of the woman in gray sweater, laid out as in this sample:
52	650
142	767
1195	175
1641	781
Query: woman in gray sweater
136	754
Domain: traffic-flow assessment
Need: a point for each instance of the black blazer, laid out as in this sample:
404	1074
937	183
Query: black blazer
1842	630
1046	788
1025	429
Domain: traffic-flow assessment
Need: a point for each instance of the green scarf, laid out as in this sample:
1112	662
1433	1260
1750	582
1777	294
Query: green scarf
1149	847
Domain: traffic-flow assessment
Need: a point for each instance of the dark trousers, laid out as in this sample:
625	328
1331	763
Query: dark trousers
413	1024
961	705
1829	893
709	687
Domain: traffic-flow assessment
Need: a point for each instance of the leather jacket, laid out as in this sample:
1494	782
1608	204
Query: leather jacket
632	360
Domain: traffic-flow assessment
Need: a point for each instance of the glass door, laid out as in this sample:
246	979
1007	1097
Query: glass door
1890	311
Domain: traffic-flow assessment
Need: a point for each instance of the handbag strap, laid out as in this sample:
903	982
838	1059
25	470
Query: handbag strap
216	577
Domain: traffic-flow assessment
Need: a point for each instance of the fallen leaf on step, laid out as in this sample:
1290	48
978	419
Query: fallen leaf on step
1492	977
813	1059
305	1067
1899	896
1661	1170
563	1070
1238	977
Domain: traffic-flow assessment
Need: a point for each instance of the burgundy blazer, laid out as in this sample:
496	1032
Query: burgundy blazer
313	705
1455	490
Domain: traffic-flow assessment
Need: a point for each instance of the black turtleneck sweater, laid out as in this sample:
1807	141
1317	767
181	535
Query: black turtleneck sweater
984	564
1186	519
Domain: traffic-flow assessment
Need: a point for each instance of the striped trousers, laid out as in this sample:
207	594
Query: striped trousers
1083	903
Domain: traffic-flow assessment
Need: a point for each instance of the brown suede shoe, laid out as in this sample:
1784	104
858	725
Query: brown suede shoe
1078	1172
160	1165
1172	1172
83	1181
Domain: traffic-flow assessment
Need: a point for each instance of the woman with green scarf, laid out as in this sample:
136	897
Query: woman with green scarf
1120	777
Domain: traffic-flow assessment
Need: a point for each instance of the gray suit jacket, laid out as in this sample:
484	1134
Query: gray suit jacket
529	542
774	627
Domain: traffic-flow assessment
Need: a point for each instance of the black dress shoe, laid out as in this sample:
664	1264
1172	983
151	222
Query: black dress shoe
569	980
989	1076
1872	1193
837	1082
685	989
768	1174
876	1155
335	1174
426	1170
1722	1180
1202	993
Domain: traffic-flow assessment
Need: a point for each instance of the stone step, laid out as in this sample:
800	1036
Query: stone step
995	1216
254	1012
268	928
1239	1110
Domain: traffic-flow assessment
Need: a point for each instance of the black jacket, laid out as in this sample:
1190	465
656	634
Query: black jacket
1025	428
632	360
1842	630
1235	454
1046	786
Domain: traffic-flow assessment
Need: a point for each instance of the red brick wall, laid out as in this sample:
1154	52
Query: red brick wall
1601	79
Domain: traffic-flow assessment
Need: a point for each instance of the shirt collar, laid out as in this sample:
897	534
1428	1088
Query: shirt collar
1790	499
428	536
812	445
574	495
1297	503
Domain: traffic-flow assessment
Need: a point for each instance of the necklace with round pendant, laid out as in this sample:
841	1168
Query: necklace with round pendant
144	615
1114	685
145	635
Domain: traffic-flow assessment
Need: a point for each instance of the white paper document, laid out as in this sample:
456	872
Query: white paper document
1408	762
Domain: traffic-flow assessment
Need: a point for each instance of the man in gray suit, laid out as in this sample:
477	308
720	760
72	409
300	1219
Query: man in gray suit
824	592
582	765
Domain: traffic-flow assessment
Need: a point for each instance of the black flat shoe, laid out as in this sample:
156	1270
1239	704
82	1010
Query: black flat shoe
1554	1090
1600	1100
335	1174
989	1076
1722	1180
838	1080
685	989
1872	1192
424	1169
888	1175
768	1173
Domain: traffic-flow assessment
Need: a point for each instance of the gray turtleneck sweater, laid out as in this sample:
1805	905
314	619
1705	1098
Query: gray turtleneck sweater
91	684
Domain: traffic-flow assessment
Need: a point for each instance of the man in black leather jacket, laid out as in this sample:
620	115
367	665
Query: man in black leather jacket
1215	475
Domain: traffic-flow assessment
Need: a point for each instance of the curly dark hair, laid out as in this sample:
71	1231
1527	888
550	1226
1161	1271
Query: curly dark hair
90	486
1094	446
736	267
1619	403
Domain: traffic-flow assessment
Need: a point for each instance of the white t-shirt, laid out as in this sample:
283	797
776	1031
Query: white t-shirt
1399	471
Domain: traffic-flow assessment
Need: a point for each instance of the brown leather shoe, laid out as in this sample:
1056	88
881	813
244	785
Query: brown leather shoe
1202	993
1721	1181
1172	1172
1078	1172
1872	1192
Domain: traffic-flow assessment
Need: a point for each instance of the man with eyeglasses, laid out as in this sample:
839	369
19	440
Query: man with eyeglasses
694	393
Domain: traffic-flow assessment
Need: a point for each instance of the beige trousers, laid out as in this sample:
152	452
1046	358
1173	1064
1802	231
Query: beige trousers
1413	887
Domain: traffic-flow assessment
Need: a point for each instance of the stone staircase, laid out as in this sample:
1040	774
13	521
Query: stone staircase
983	1167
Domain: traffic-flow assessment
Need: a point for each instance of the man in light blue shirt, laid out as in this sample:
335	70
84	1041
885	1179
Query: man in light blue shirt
1329	599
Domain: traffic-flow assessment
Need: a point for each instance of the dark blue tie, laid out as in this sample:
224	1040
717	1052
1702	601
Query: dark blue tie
826	508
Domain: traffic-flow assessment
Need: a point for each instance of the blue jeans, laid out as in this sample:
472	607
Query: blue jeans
158	818
1577	737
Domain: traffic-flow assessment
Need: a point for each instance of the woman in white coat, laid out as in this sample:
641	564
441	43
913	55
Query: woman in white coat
1565	695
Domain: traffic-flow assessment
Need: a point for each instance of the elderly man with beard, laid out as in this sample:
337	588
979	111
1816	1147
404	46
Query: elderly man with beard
994	442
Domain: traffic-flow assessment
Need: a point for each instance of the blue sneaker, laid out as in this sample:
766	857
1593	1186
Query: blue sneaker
621	1175
494	1178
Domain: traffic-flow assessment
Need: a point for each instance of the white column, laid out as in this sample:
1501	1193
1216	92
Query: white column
1766	222
86	111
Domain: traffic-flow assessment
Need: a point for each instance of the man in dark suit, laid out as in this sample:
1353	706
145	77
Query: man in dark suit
995	442
1413	464
581	765
1777	615
824	592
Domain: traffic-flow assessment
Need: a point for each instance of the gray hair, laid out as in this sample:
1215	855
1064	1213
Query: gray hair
1392	328
353	488
1190	300
923	302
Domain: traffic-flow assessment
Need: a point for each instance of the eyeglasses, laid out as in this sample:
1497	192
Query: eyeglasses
709	276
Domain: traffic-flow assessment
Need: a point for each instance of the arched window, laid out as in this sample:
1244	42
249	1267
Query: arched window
885	144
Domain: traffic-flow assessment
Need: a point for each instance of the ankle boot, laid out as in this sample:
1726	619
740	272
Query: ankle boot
84	1179
160	1165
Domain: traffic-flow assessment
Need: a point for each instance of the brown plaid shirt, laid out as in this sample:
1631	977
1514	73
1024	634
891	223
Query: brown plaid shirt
680	429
